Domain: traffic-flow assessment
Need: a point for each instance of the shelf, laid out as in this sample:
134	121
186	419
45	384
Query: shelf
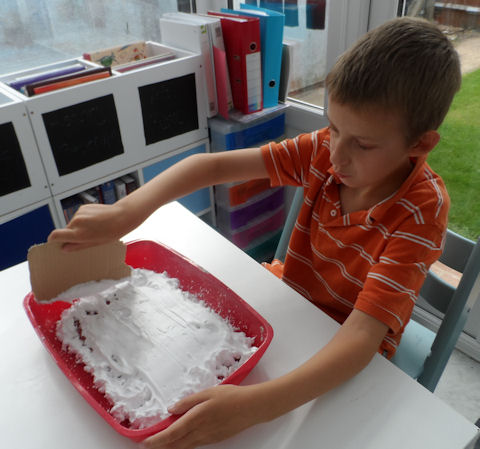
66	141
23	180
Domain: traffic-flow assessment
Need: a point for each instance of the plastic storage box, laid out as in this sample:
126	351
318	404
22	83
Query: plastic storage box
263	248
230	135
251	214
266	224
159	258
236	193
258	207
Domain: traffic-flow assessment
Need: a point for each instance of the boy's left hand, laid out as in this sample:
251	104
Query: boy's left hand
209	416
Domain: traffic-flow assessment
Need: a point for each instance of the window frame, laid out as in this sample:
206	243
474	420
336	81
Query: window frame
347	20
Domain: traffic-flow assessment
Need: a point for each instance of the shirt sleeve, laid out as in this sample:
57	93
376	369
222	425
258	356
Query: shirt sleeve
289	162
392	285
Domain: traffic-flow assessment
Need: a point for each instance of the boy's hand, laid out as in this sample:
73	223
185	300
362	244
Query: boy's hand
93	224
210	416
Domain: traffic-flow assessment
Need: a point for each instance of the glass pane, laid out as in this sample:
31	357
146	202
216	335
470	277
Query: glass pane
457	156
38	32
305	35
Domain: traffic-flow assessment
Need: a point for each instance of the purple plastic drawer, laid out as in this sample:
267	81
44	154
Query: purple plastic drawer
242	216
244	237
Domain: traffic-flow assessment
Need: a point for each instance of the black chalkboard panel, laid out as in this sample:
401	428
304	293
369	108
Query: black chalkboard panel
169	108
83	134
13	172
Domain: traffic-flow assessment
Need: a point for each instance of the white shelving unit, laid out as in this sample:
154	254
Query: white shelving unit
22	178
136	122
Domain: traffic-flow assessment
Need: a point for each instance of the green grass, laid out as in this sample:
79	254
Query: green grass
457	157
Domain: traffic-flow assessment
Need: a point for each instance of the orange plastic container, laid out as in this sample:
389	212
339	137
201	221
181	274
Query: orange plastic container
159	258
242	192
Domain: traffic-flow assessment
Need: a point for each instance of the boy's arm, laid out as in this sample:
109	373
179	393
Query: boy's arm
94	224
221	412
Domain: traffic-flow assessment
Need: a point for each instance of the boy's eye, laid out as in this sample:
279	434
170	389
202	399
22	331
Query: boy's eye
364	146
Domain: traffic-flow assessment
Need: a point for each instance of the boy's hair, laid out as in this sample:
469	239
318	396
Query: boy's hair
405	65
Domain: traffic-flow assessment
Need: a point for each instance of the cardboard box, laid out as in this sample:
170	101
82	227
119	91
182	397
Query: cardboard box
53	270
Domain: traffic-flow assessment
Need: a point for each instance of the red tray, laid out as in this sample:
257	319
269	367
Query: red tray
159	258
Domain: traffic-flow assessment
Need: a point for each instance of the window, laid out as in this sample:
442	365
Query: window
38	32
305	36
457	156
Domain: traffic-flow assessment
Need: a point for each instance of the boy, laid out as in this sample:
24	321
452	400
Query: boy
373	219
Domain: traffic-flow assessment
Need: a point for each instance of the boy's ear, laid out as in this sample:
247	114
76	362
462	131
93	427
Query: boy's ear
424	144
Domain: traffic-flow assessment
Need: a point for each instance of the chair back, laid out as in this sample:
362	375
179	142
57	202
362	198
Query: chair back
467	253
456	253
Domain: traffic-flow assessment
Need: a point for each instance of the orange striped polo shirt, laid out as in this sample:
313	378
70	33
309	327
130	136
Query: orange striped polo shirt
373	260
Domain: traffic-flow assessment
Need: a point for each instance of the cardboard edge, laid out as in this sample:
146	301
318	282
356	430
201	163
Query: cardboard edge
53	270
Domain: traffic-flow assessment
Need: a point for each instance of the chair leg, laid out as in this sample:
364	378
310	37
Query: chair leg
282	246
436	362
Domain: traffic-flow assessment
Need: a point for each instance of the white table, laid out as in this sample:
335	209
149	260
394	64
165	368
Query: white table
378	409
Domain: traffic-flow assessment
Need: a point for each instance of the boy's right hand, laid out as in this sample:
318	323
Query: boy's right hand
93	224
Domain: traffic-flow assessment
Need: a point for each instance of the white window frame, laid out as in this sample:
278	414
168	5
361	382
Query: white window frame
347	20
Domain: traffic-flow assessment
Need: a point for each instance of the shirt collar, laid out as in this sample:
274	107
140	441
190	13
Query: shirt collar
379	209
335	176
376	211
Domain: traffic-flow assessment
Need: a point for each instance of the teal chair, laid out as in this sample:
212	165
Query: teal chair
282	246
422	353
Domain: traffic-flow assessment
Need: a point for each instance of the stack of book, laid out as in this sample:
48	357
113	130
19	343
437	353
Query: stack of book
59	78
202	34
105	193
242	52
122	58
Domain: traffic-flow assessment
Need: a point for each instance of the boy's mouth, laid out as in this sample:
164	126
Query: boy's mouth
341	175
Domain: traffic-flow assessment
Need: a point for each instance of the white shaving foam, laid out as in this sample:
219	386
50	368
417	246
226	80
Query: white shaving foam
148	344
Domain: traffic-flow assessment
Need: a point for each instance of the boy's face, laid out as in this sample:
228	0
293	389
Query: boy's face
368	149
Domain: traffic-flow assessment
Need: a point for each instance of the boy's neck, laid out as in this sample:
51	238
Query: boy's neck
357	199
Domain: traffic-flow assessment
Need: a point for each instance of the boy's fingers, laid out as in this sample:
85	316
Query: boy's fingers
76	246
69	239
174	434
187	403
61	235
178	433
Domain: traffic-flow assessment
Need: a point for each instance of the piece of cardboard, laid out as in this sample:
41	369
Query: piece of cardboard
53	270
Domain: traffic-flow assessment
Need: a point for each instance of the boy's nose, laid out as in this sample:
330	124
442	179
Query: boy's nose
339	154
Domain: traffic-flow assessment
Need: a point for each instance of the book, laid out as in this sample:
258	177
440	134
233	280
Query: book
167	55
121	54
20	82
70	205
286	70
88	198
94	192
108	192
120	188
222	77
130	183
69	83
62	81
186	31
271	36
241	35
